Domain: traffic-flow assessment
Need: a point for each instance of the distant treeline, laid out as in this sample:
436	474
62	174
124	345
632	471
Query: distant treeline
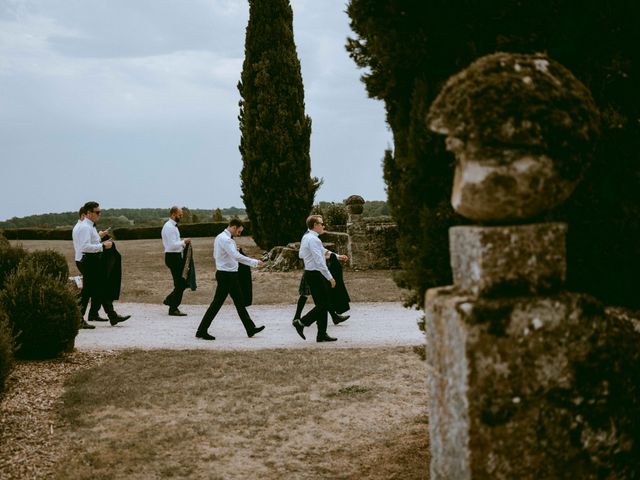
155	217
124	217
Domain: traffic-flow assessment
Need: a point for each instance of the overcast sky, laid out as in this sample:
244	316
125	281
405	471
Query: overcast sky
134	103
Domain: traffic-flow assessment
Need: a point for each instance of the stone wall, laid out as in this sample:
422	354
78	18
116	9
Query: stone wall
372	245
369	245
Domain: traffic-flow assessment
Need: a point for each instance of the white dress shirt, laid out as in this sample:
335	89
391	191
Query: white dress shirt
76	241
88	238
171	237
312	253
226	254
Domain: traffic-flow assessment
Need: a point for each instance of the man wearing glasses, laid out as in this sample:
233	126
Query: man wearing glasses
91	246
318	277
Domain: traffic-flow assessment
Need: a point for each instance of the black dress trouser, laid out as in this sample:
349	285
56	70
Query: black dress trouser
93	279
173	261
319	287
228	284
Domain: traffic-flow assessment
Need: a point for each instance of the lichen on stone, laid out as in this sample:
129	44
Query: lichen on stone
506	103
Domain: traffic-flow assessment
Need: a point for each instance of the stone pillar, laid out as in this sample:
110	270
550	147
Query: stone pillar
526	380
356	230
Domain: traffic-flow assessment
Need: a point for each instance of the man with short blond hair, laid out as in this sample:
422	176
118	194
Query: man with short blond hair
318	277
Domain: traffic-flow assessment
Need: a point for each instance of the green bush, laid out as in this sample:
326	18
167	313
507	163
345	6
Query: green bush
42	310
6	350
10	258
317	209
51	262
336	214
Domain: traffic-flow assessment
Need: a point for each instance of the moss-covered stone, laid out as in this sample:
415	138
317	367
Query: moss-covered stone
532	387
506	101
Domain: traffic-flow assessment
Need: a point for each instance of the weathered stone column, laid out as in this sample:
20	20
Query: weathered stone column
356	230
527	381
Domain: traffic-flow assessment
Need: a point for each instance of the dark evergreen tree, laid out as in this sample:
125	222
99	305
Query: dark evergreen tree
277	186
411	47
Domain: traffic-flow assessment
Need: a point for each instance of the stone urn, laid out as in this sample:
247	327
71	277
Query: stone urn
355	204
522	129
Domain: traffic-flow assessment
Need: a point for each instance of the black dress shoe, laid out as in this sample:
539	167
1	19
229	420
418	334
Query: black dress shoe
98	319
205	336
116	319
256	330
299	326
174	312
86	325
325	338
337	318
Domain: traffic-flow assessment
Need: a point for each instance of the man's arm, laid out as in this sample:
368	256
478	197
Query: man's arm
84	241
231	249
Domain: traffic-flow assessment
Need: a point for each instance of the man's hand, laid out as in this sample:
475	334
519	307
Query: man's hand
261	264
343	258
187	241
333	283
102	233
107	244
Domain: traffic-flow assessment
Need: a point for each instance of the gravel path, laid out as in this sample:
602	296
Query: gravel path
370	325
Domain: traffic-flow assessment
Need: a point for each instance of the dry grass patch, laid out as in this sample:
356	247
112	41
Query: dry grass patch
147	280
266	414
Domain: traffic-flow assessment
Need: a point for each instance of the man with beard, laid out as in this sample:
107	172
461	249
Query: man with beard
173	247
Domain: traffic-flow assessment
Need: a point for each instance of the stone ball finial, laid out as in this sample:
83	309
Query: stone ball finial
355	204
523	130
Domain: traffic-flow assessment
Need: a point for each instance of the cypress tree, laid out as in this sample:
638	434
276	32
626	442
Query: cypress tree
277	187
411	48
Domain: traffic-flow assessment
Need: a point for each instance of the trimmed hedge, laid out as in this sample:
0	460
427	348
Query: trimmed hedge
43	312
187	230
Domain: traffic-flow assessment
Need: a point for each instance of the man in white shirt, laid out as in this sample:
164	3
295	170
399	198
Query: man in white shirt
318	277
227	256
91	246
173	247
84	299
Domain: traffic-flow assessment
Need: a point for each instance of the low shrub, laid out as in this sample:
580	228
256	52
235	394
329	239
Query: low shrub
6	350
10	258
336	214
42	310
51	262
